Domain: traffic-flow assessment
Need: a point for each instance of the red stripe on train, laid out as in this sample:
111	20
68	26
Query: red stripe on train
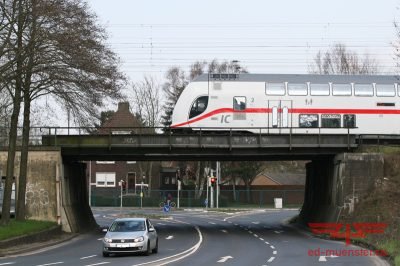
292	111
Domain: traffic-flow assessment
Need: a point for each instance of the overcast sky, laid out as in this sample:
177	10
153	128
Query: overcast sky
266	36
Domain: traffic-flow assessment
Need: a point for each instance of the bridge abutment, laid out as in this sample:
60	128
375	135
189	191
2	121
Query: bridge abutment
335	185
56	191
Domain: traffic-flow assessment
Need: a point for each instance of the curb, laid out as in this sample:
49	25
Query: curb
33	242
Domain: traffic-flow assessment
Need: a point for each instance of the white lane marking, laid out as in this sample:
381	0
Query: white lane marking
266	242
250	232
229	222
278	232
54	263
323	258
88	257
183	254
262	239
272	247
7	263
169	237
271	259
100	239
274	252
224	259
211	223
236	224
160	224
255	235
224	231
100	263
255	222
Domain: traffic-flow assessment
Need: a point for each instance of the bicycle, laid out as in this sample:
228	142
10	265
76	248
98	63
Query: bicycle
171	204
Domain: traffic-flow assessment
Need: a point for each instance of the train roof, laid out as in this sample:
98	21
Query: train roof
389	79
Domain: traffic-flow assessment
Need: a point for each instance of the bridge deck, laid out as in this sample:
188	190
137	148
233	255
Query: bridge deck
199	147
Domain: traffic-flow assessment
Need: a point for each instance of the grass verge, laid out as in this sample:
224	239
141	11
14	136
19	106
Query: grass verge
21	228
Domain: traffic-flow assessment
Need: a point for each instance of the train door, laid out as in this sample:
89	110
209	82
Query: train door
279	116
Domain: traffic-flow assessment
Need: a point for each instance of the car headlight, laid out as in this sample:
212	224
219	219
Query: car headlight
139	239
107	240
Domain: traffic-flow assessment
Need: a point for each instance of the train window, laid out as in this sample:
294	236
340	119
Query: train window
275	88
383	90
199	106
307	120
341	89
319	89
239	103
297	89
349	121
330	120
363	90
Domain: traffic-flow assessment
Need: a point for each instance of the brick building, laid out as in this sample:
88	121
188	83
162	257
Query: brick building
105	175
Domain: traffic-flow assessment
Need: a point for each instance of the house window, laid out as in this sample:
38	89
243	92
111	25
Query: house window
331	121
105	179
105	162
306	120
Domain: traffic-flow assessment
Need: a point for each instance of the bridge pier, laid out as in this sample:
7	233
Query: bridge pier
56	190
335	185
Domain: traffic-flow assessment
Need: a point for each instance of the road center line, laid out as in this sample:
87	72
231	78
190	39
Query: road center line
183	254
271	259
272	247
100	263
274	252
88	257
54	263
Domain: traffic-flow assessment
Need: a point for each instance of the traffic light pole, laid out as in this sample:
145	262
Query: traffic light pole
218	175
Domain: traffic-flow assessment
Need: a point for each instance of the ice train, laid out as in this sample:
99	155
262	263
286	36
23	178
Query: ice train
283	103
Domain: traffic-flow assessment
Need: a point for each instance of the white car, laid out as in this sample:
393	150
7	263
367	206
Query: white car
130	235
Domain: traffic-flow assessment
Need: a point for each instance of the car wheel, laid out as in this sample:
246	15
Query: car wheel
155	250
106	254
148	250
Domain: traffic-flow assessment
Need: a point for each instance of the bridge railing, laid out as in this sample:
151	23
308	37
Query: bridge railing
203	137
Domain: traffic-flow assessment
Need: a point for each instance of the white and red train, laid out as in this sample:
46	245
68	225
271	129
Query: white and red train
283	103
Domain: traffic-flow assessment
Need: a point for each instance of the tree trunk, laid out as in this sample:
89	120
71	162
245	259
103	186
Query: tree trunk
20	204
248	191
197	182
5	217
234	189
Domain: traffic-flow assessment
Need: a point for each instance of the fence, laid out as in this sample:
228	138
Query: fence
111	197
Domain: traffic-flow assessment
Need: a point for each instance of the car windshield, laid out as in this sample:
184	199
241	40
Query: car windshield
127	226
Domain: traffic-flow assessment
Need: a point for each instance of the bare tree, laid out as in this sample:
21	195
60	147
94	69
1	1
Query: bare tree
63	56
339	60
147	105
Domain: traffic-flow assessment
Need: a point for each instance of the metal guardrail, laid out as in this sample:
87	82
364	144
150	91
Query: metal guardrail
228	138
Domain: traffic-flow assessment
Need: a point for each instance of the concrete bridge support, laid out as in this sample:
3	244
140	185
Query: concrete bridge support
335	185
56	191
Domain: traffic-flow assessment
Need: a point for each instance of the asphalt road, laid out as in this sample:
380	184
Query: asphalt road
194	237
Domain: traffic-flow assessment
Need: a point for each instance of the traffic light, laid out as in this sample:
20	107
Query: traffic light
213	181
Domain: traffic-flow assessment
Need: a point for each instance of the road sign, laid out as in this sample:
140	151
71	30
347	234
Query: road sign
167	208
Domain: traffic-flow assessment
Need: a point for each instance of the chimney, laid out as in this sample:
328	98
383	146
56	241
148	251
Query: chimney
123	107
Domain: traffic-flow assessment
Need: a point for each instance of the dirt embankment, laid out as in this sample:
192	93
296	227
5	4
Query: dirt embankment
382	205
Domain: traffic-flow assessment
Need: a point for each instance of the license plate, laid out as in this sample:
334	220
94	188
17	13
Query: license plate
123	246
